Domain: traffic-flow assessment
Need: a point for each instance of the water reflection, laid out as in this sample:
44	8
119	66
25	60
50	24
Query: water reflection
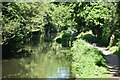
12	68
40	65
63	73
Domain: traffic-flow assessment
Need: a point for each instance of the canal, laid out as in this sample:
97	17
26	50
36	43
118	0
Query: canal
41	64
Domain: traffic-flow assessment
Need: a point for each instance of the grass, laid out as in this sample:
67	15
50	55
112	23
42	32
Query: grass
115	49
87	62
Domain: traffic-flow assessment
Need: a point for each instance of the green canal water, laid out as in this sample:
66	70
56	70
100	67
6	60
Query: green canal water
42	64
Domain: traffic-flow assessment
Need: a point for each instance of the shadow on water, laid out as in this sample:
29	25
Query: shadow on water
41	64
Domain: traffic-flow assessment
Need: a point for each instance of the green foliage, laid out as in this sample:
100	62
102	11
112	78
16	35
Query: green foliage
64	38
118	52
87	36
22	20
115	49
61	17
118	49
87	61
19	21
100	17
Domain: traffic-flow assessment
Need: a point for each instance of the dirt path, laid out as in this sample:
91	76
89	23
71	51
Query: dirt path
113	62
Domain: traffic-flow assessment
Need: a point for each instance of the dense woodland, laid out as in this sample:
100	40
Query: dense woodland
76	25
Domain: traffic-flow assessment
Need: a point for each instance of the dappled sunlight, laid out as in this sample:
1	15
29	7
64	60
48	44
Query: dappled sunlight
60	40
113	61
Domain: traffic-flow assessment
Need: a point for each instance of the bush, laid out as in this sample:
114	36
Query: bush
87	61
64	38
118	50
87	36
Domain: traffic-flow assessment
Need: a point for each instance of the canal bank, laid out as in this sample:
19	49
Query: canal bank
43	63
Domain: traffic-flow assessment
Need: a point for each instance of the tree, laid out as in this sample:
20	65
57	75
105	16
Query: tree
19	21
61	17
95	16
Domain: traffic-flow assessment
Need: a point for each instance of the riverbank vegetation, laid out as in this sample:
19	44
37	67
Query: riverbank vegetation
87	61
75	26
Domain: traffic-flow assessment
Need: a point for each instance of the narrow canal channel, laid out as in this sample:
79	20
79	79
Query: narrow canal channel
43	64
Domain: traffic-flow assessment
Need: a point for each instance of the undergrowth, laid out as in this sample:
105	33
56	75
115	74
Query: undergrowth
115	49
87	62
